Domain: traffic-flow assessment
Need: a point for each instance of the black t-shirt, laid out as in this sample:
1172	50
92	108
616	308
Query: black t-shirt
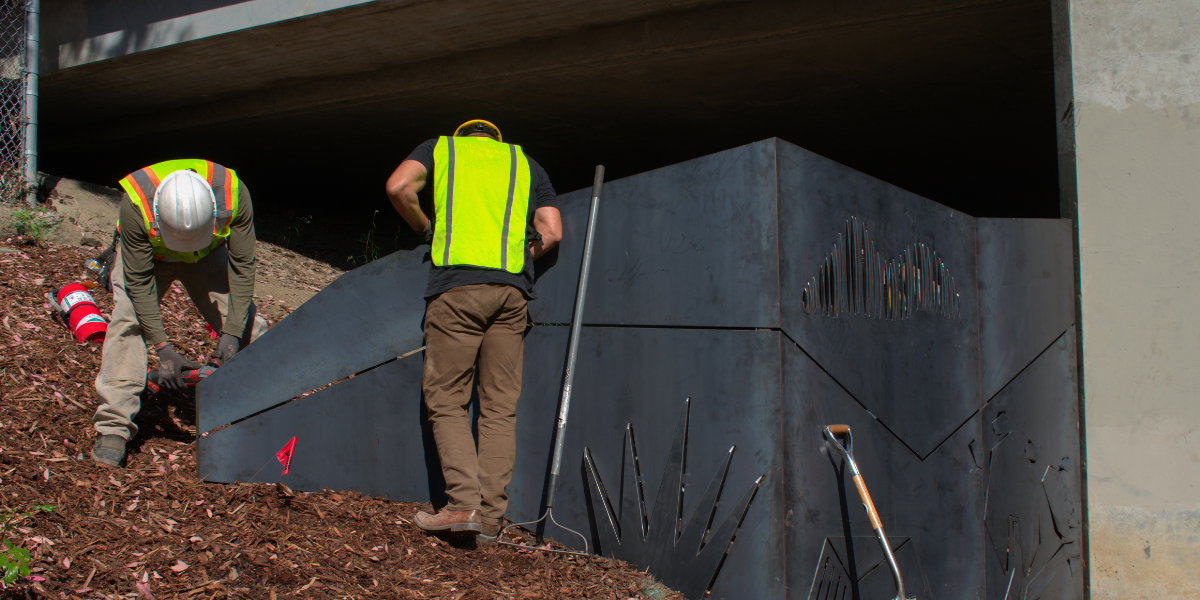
541	193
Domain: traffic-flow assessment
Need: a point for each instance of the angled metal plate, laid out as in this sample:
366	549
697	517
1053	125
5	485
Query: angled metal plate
368	433
643	376
692	244
919	374
856	567
1034	501
936	503
685	551
362	434
365	317
557	273
1026	293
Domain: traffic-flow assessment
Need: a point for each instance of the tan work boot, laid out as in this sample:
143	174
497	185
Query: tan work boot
449	520
489	534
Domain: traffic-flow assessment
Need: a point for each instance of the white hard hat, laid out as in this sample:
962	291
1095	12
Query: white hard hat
186	211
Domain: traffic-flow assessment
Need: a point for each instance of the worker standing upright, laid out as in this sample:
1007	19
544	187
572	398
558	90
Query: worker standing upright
495	212
190	221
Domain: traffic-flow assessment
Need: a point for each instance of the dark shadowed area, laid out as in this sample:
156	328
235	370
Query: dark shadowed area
952	100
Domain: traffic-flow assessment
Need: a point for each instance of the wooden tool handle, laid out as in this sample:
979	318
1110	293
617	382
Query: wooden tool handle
867	503
839	429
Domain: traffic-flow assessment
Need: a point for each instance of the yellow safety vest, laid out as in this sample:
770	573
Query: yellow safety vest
141	185
481	203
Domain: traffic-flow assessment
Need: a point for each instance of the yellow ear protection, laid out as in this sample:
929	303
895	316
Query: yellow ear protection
478	126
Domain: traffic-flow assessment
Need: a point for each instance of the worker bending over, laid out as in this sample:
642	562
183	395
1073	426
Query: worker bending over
494	213
184	220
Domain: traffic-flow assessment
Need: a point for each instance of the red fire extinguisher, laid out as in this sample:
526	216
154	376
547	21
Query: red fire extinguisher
81	313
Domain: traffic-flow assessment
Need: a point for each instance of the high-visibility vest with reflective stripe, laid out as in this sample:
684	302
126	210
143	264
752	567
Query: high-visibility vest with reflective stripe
141	184
481	203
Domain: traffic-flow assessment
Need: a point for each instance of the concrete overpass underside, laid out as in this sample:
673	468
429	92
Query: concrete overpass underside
951	99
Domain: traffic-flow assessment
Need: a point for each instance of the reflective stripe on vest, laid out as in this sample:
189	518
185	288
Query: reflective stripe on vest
481	203
141	185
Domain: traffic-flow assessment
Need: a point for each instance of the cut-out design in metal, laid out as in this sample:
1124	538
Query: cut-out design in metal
833	579
1025	561
686	557
855	279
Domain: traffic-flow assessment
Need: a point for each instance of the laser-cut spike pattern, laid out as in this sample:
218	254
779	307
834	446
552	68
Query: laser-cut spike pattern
836	577
686	557
855	279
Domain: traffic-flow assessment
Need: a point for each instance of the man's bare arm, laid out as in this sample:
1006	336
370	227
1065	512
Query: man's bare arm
402	188
548	222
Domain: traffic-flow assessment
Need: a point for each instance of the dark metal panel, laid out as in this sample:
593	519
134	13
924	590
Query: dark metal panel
643	376
691	244
541	385
362	434
918	374
1026	293
935	504
850	566
557	273
1034	500
368	433
365	317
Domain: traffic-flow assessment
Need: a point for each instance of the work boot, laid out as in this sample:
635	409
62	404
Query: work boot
489	534
449	520
109	451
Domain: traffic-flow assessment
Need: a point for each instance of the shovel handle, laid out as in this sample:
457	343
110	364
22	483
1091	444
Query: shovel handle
865	496
839	429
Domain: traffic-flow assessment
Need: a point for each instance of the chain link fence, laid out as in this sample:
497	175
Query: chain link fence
12	99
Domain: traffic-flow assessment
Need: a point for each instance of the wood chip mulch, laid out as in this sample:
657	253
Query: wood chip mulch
154	530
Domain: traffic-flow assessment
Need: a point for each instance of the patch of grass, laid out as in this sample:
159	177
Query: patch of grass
30	224
14	560
292	225
370	245
653	590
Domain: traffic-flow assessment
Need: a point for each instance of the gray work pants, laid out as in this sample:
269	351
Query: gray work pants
122	374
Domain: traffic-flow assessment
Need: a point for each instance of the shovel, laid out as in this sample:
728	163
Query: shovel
836	433
565	403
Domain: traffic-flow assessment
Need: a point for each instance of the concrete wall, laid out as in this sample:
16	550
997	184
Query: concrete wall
1134	68
78	32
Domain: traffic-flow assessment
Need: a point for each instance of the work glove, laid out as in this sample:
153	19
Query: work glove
227	347
171	367
106	261
427	235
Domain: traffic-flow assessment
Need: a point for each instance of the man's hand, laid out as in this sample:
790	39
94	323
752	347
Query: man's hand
227	347
171	367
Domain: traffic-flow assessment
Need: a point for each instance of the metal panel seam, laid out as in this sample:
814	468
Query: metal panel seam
855	398
987	402
778	239
978	314
783	472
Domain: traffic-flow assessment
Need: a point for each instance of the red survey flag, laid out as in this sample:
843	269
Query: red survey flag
285	455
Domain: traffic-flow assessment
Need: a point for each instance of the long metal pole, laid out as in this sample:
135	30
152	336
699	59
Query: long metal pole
32	24
576	322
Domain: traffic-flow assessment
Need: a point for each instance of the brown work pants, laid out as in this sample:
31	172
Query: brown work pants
485	321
